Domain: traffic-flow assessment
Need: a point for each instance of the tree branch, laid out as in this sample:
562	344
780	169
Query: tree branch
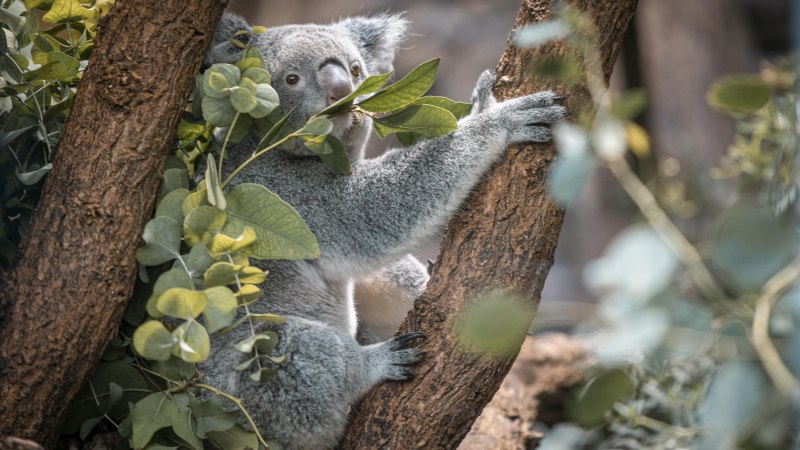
505	237
67	293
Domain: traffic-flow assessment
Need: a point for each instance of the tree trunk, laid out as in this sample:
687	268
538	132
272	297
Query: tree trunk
505	237
66	296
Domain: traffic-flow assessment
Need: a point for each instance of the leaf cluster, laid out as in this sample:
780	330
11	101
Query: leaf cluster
40	66
696	341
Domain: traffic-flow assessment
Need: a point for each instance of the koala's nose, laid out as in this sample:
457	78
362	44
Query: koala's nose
335	81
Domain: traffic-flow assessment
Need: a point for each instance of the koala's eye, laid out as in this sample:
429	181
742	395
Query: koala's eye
355	71
292	79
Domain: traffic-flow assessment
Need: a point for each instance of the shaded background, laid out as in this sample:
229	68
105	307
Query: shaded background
674	50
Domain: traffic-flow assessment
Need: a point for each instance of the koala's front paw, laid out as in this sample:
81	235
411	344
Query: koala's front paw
528	117
394	355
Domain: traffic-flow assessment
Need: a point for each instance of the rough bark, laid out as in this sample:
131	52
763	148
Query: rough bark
505	237
76	272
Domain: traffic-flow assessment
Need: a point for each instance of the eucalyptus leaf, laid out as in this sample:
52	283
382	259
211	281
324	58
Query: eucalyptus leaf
425	120
739	93
213	189
236	438
281	232
367	87
203	222
404	92
181	303
221	309
194	344
162	237
153	341
170	205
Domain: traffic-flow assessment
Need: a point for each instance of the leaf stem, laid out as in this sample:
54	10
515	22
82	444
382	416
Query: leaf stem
225	144
773	364
659	220
239	405
252	158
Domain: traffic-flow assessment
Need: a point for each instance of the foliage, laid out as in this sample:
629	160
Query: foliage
696	342
196	276
40	66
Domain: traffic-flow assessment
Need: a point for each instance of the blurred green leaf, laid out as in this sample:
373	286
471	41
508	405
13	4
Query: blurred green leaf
599	394
751	246
739	93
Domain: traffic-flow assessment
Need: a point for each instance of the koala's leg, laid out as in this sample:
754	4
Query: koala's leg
384	298
307	403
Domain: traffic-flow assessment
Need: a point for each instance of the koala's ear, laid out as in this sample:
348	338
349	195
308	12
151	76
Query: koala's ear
378	38
222	50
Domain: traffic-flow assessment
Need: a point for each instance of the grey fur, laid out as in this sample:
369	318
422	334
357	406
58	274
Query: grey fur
365	223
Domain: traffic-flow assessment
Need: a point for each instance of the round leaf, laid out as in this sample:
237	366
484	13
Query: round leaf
162	236
181	303
256	74
218	111
218	78
194	344
266	101
153	341
202	223
242	100
221	309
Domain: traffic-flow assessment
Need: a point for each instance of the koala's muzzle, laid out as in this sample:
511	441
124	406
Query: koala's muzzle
335	81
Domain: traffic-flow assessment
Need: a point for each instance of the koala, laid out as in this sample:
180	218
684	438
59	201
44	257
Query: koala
365	223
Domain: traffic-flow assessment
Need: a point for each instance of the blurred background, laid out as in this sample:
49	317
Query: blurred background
674	51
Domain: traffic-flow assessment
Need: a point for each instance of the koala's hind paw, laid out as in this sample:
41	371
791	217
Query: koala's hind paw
394	355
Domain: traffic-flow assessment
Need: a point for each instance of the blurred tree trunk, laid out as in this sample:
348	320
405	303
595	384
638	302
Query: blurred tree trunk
505	238
66	296
685	45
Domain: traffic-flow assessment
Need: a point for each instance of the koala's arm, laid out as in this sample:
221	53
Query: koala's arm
384	298
389	203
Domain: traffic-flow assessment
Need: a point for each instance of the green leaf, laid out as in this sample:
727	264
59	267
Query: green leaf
235	438
248	63
255	73
60	66
263	375
318	126
222	244
246	345
198	261
211	416
218	111
67	10
266	101
218	78
175	369
174	179
195	199
176	277
170	205
242	99
34	176
751	246
157	411
153	341
458	109
193	342
274	318
221	309
596	398
213	190
281	232
162	236
336	158
404	92
203	222
739	93
425	120
630	104
181	303
221	274
368	86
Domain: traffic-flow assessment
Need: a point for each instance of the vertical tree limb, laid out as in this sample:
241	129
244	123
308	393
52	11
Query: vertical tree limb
66	295
505	237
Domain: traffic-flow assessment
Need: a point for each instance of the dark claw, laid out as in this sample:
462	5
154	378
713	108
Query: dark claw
409	337
558	98
431	263
408	374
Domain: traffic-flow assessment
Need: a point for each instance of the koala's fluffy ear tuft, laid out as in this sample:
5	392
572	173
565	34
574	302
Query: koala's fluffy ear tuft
378	38
222	50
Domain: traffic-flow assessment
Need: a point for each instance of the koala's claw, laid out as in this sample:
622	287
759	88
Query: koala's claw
402	339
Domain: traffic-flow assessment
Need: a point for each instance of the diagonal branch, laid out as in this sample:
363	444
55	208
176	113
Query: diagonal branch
505	237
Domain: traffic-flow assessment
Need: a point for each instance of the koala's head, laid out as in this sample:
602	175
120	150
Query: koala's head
313	66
